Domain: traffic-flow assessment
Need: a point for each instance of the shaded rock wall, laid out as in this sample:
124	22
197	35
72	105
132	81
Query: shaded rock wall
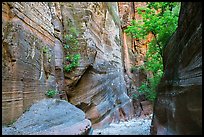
178	107
33	57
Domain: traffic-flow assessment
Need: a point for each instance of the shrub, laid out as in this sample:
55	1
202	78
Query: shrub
51	93
133	68
134	96
71	47
149	87
73	62
45	49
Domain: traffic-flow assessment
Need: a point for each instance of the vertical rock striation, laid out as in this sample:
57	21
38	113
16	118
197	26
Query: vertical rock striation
33	58
97	86
134	52
27	56
178	107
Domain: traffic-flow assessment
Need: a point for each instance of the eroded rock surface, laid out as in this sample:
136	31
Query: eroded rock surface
178	108
34	56
134	52
98	85
28	70
50	117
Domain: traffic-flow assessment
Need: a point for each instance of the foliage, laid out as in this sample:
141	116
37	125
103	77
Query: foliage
161	20
71	39
134	96
71	47
149	87
45	49
133	68
51	93
74	59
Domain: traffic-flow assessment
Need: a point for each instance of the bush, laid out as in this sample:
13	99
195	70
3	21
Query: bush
73	62
51	93
148	88
71	47
133	68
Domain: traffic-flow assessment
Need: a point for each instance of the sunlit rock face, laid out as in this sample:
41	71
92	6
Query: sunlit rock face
178	107
97	86
134	52
33	58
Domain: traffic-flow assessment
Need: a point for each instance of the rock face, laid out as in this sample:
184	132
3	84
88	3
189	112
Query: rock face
50	117
28	70
178	108
97	86
134	52
34	56
134	49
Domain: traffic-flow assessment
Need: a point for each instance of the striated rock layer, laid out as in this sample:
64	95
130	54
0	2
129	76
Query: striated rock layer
178	107
28	70
97	86
33	58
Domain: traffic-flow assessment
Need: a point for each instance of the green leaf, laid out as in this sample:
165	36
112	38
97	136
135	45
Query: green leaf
158	18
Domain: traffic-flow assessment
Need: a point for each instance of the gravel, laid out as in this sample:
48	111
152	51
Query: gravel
135	126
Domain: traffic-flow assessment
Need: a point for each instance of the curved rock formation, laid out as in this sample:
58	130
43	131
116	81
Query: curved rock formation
178	107
50	117
97	86
34	57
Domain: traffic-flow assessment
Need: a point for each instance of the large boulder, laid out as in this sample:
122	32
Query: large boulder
178	107
50	117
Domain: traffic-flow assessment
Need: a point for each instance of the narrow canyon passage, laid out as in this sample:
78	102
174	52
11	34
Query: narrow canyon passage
101	68
135	126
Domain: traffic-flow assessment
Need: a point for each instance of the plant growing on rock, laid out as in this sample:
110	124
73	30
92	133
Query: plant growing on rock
51	93
161	20
133	68
71	46
74	59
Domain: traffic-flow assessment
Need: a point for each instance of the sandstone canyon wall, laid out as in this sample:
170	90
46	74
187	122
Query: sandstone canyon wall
134	49
27	71
134	52
97	86
33	58
178	107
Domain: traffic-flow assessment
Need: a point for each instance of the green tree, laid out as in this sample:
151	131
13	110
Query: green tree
160	19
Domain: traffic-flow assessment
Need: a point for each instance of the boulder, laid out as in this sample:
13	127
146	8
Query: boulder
50	117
